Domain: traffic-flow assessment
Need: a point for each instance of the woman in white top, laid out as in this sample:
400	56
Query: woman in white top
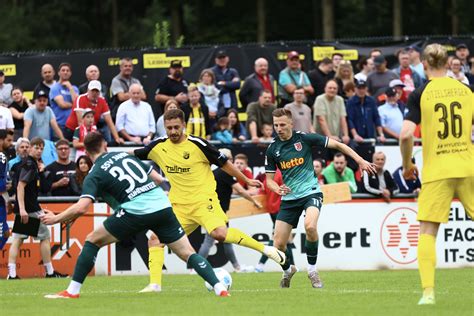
171	104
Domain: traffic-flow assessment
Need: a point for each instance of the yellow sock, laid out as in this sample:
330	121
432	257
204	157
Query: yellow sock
238	237
156	259
427	260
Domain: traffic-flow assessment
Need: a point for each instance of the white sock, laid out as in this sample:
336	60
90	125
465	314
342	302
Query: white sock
311	268
12	270
218	288
287	271
74	288
260	266
49	268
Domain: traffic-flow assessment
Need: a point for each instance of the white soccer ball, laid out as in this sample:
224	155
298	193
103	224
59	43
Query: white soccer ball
223	276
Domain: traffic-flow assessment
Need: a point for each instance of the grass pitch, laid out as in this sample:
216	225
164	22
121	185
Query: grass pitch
345	293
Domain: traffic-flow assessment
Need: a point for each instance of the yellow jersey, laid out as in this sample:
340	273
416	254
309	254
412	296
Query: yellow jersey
187	166
444	108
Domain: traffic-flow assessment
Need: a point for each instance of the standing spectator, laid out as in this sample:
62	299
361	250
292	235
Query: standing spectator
92	100
408	76
121	84
40	119
93	73
6	118
5	91
171	104
379	80
301	112
462	52
60	172
62	94
455	71
374	52
292	78
30	174
87	126
228	81
241	162
257	82
337	59
4	229
366	66
330	114
406	185
83	166
135	121
239	133
7	148
391	115
259	113
380	184
362	115
415	61
267	133
322	74
344	75
47	74
173	86
338	172
318	166
196	115
21	147
207	87
17	108
222	132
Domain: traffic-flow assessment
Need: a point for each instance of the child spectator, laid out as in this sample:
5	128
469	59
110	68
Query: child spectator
239	133
209	90
267	133
223	134
82	130
241	162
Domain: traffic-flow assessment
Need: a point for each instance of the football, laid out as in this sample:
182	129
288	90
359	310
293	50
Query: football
223	276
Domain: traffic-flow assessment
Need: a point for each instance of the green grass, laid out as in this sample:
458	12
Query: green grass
345	293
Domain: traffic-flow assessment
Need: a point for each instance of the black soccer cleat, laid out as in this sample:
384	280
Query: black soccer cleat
56	274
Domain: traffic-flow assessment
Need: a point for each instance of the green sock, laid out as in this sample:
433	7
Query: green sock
287	263
203	268
311	251
85	262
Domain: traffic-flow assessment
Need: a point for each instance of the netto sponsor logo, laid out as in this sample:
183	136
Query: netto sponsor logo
292	163
177	169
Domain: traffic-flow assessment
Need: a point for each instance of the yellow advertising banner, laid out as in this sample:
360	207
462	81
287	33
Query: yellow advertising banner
8	69
320	52
283	55
151	61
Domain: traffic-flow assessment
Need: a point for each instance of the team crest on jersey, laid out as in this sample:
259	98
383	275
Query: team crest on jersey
298	146
186	155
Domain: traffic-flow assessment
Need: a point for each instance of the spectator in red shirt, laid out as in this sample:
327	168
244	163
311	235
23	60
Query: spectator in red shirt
241	161
409	77
92	100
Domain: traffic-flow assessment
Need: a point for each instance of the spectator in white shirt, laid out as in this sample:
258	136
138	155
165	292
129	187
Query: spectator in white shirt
135	121
6	118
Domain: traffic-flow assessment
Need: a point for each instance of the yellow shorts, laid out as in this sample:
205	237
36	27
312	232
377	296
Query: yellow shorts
207	214
435	199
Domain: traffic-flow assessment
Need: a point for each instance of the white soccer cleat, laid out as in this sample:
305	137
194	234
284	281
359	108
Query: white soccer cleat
151	288
274	254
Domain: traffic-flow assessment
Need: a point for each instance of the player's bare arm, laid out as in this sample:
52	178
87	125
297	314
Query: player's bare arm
74	211
230	169
410	171
363	164
274	187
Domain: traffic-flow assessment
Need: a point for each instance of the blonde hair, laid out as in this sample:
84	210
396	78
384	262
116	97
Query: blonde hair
436	56
344	64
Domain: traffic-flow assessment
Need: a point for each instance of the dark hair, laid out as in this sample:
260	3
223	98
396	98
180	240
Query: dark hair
264	91
80	176
362	62
16	88
10	132
62	142
36	141
93	142
61	65
174	114
325	61
339	154
337	54
3	133
321	161
236	128
282	112
375	50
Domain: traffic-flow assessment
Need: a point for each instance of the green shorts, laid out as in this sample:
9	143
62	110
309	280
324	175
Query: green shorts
290	211
163	223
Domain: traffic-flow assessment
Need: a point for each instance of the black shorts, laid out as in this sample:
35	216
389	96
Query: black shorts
163	223
290	211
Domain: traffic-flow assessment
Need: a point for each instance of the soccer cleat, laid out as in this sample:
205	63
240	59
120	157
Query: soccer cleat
56	274
427	299
13	278
258	270
274	254
224	294
315	280
286	279
62	294
150	288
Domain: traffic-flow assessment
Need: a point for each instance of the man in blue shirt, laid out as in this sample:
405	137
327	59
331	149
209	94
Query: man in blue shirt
228	81
391	116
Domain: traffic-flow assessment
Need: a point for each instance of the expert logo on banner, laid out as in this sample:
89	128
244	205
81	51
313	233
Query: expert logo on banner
399	235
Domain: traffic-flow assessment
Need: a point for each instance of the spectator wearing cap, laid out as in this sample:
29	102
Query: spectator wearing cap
47	76
301	113
362	115
92	100
462	52
415	61
5	91
87	126
40	119
59	173
366	66
121	84
135	120
380	78
408	76
259	113
455	70
228	81
322	74
257	82
292	78
391	115
173	86
93	73
196	114
62	94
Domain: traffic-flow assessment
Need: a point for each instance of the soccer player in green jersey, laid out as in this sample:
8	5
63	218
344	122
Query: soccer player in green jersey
291	153
129	187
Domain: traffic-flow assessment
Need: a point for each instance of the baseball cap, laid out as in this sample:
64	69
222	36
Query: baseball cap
379	60
87	111
293	54
2	73
415	48
390	92
360	83
221	53
461	46
176	63
396	83
42	93
94	85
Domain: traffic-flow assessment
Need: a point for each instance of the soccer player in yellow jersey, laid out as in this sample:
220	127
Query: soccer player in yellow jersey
444	108
186	161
